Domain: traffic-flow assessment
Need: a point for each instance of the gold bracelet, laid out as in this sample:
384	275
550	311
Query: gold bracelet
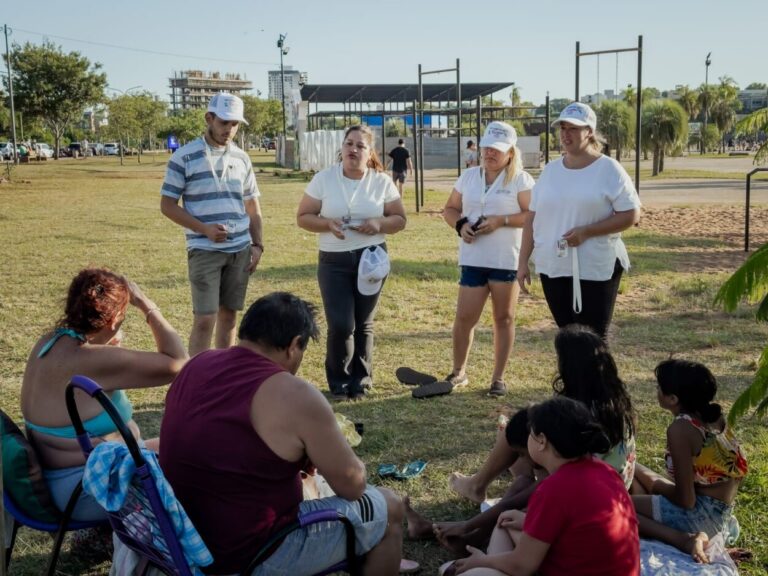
149	312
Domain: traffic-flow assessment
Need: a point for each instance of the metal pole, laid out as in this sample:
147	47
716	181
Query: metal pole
638	120
10	91
746	213
415	153
421	137
479	121
383	133
577	70
280	45
546	138
458	117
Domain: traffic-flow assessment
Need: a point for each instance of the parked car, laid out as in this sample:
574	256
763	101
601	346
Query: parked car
75	149
111	149
43	150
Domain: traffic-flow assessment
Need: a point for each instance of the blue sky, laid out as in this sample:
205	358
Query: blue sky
529	43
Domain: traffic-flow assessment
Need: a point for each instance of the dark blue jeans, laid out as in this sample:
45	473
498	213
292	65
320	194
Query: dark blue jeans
349	316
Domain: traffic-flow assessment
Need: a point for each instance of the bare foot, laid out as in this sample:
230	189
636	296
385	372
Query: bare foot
696	545
466	486
453	537
419	528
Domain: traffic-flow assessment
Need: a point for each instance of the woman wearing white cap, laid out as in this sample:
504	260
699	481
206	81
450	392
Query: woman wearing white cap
579	206
487	209
352	205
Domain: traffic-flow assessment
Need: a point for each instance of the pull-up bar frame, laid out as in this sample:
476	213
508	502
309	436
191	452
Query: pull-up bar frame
638	120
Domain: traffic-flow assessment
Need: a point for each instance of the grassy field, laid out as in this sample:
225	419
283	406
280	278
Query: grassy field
58	217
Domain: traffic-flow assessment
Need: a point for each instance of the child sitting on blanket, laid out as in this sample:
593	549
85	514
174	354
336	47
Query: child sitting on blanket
580	519
704	463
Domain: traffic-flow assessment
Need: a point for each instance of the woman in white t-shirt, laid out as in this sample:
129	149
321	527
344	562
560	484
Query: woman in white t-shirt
487	208
579	206
352	205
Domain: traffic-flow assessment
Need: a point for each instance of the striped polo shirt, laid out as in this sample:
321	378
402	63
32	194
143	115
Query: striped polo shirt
190	177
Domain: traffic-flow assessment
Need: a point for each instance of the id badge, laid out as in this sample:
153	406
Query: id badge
562	248
345	221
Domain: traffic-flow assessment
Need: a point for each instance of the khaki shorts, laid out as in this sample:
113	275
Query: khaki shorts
218	279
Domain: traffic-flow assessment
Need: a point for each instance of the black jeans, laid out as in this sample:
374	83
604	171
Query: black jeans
349	315
598	298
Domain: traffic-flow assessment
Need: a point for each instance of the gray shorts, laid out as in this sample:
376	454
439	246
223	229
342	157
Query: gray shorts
218	279
309	550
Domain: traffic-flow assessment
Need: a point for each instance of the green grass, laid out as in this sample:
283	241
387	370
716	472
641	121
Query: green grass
58	217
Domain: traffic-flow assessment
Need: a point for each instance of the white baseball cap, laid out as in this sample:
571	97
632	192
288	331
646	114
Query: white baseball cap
373	268
227	106
499	135
578	114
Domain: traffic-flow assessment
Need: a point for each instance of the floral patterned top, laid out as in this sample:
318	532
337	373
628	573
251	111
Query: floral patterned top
720	458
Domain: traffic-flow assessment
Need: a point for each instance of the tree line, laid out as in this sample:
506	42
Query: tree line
53	90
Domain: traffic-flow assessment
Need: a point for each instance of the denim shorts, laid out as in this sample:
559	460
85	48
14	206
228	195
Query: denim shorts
318	546
709	515
476	276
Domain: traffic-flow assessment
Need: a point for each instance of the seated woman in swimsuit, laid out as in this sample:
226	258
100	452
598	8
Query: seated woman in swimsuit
86	341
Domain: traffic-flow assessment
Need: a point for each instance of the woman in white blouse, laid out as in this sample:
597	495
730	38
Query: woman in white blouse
352	205
579	206
487	209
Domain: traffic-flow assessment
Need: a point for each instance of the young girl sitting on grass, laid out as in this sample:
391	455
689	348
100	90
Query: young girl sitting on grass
704	463
580	519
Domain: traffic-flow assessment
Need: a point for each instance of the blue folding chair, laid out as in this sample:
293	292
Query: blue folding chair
26	496
145	499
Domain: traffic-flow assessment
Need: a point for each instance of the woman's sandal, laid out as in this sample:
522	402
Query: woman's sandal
433	389
411	377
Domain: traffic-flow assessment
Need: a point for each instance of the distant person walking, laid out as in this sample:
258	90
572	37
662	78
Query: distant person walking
221	218
579	207
400	160
470	155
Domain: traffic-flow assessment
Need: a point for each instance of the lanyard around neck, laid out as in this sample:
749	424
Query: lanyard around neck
224	164
349	199
487	189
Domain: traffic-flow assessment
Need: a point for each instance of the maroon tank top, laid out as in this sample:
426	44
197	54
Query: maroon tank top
236	490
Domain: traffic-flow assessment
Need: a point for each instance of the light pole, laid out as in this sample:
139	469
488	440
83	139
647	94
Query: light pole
707	62
283	51
7	31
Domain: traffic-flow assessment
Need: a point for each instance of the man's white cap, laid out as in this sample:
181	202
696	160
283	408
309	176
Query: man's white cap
374	267
499	135
578	114
227	106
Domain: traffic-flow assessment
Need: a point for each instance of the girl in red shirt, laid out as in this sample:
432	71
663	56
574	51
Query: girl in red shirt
580	520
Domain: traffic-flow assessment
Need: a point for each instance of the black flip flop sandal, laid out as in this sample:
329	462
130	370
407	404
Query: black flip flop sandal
432	389
412	377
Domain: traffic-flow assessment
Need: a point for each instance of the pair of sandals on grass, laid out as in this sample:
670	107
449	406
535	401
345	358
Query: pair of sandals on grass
428	385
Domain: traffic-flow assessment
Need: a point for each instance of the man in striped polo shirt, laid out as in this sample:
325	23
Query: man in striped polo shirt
221	218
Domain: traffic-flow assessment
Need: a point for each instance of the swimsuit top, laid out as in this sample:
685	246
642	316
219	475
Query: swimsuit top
99	425
720	458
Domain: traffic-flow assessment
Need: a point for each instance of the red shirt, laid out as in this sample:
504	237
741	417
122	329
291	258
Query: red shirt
235	489
583	511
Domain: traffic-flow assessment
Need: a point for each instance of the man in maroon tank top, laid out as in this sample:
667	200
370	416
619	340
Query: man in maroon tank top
238	428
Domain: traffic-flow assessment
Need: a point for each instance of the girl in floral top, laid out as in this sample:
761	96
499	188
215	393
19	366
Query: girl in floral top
705	465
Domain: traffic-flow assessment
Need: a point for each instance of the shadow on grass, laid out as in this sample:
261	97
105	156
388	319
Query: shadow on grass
401	269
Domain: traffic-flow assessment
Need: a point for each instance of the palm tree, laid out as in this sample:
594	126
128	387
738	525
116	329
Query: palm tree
750	282
630	96
756	122
724	107
665	125
616	122
689	100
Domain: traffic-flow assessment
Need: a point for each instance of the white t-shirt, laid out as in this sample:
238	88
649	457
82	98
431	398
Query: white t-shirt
358	199
501	248
564	198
